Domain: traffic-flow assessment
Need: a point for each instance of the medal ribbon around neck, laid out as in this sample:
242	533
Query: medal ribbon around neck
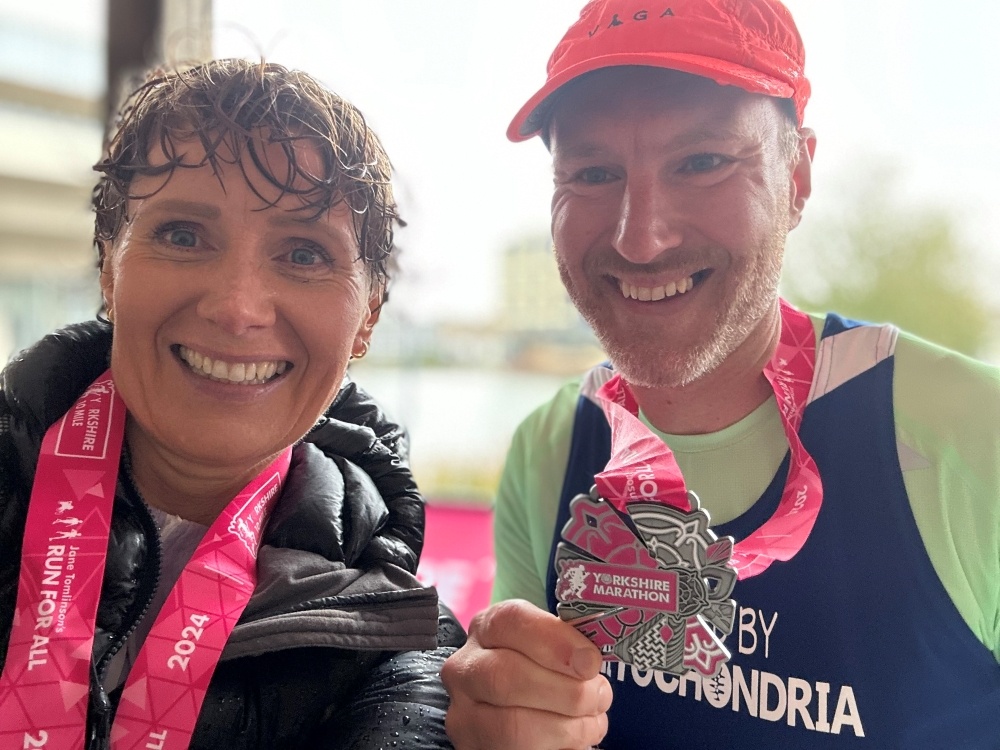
643	469
44	687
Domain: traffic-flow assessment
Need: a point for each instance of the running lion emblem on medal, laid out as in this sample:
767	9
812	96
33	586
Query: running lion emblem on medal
650	588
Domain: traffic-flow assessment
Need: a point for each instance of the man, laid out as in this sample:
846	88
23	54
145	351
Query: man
857	468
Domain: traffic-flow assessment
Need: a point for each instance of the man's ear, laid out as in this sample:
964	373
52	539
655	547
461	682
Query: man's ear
800	185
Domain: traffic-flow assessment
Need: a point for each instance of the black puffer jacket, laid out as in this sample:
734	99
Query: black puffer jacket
339	647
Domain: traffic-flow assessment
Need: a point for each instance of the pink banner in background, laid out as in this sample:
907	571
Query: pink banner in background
458	557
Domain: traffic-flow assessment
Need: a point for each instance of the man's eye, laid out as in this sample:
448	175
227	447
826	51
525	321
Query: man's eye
595	176
703	163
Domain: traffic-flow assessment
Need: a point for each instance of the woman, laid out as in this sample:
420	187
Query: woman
254	585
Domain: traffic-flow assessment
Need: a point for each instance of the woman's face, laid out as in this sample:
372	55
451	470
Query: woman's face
233	321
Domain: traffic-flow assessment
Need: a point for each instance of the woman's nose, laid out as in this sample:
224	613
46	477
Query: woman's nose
238	296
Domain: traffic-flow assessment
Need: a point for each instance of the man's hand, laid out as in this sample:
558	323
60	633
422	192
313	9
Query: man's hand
525	681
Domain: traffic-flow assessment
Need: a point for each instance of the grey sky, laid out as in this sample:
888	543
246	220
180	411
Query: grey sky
913	81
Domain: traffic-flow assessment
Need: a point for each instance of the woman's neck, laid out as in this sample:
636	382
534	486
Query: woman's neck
192	490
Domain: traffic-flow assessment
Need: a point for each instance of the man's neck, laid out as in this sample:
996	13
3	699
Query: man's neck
701	407
191	490
722	397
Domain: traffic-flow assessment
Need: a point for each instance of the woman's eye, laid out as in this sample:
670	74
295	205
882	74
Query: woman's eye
306	256
181	237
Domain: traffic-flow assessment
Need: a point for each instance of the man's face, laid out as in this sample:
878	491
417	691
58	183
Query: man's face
673	197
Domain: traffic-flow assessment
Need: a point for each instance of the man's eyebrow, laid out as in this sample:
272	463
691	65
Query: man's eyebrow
708	135
583	150
591	149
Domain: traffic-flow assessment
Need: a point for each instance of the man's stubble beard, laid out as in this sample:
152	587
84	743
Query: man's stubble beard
635	353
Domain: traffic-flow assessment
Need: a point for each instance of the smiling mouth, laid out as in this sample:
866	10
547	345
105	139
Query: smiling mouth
663	291
234	373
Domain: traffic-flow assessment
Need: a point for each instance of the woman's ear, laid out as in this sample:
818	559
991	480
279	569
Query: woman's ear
363	337
107	277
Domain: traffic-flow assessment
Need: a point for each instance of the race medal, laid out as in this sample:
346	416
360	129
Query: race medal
650	587
639	571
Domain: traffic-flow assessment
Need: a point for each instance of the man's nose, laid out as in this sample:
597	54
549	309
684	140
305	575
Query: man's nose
239	296
647	221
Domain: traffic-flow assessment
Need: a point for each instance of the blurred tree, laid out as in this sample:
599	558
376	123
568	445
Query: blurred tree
881	261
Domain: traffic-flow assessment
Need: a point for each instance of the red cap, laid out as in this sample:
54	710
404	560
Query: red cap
752	44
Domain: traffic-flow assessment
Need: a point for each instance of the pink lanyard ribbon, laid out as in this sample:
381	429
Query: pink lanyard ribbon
643	469
44	687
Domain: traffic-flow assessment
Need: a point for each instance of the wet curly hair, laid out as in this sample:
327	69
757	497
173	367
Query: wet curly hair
229	105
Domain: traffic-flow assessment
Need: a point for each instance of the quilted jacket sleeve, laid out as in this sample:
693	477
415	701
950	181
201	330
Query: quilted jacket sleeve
356	428
402	702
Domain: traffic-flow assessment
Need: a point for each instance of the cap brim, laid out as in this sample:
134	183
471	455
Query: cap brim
529	120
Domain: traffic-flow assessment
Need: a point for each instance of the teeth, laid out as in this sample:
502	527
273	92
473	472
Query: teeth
242	373
656	293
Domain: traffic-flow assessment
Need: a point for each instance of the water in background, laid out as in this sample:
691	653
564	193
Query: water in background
460	420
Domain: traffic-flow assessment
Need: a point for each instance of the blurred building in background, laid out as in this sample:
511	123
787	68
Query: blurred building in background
56	68
462	387
51	107
543	330
535	327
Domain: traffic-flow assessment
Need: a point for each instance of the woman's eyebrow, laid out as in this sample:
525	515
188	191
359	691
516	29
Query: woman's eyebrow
192	208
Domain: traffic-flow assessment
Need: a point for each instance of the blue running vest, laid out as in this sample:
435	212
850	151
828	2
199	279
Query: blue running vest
856	635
